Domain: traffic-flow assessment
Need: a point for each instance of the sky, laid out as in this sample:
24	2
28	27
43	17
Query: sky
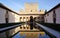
17	5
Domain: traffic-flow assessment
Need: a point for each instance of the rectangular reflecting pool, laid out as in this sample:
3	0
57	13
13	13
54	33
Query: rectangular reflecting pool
26	32
31	35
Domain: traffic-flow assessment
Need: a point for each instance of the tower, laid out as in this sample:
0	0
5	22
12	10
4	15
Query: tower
31	7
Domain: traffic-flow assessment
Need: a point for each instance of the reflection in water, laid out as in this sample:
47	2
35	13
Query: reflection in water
44	36
35	34
24	36
16	36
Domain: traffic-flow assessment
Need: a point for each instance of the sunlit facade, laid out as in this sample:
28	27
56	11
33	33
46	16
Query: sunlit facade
31	9
53	15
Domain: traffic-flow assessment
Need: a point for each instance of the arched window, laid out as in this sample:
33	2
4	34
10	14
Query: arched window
24	27
27	27
20	27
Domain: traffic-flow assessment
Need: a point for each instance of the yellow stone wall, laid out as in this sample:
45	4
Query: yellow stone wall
31	8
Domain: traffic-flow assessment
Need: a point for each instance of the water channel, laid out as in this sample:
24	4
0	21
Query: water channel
27	33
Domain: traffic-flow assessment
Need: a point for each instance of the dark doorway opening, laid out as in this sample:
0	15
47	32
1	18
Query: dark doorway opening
31	22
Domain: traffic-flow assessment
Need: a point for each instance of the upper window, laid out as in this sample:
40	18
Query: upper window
40	10
31	10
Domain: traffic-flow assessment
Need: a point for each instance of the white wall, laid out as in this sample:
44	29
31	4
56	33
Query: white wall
17	18
58	15
49	17
2	15
11	17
